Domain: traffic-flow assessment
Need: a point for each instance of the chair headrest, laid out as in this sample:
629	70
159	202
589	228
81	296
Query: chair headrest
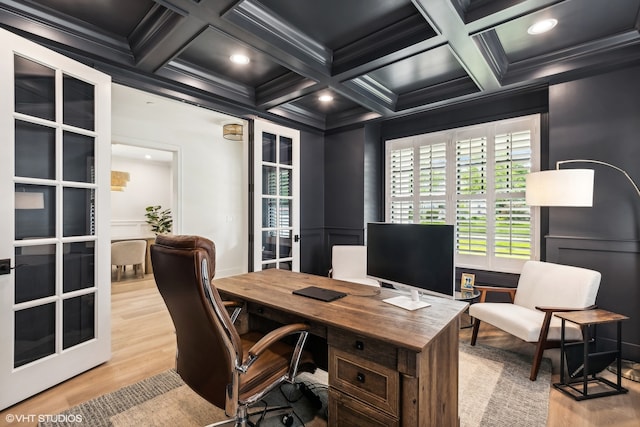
187	243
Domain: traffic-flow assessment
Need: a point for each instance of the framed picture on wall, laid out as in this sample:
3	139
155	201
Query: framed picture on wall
467	281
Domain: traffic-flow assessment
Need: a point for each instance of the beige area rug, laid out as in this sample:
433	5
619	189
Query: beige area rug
494	389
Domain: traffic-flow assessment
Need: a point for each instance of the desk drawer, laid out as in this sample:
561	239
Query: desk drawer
365	380
368	348
345	411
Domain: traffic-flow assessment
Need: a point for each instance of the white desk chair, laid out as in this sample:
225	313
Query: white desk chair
349	263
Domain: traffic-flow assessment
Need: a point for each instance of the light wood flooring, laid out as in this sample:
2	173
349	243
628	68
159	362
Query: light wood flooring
143	344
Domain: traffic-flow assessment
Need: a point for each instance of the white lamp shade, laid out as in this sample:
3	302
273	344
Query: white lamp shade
561	187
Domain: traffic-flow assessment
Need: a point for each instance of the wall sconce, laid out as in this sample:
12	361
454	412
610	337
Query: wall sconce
232	131
26	200
119	180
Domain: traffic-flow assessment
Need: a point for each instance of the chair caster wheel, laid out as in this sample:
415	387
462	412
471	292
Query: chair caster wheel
287	420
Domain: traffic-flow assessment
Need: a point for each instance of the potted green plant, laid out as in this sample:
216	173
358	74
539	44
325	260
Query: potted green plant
160	220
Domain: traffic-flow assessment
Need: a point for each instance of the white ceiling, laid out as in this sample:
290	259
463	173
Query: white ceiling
148	107
141	153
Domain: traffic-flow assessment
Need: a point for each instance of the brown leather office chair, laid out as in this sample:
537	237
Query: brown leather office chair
229	370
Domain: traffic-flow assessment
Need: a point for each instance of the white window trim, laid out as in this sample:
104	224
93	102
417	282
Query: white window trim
490	129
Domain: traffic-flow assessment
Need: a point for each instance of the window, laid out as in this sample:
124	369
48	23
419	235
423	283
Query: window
474	178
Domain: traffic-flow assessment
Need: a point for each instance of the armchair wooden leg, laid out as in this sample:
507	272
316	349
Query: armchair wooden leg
541	346
537	360
474	333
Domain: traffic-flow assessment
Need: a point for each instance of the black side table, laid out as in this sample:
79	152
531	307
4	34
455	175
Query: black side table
469	296
582	370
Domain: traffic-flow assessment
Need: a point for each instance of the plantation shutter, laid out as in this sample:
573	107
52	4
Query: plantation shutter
433	183
401	185
474	178
512	226
471	196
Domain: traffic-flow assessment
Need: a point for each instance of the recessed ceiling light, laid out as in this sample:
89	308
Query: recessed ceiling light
239	58
542	26
147	156
325	98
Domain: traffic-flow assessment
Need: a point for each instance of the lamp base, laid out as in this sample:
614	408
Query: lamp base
630	370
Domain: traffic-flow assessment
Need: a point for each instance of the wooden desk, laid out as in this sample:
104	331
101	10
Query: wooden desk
388	365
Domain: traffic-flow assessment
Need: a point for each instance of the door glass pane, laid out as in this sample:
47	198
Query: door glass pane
35	148
35	89
286	265
78	103
34	333
269	181
35	276
35	214
268	147
78	320
269	266
285	182
285	243
269	206
268	245
77	212
286	146
285	213
78	266
78	154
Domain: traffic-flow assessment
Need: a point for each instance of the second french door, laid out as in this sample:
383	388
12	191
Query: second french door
276	197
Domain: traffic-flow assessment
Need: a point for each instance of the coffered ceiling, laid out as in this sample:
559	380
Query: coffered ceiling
376	58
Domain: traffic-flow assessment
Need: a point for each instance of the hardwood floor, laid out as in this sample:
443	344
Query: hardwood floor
143	344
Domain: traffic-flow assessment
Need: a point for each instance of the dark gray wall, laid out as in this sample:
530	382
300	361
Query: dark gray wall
312	200
344	190
599	118
374	171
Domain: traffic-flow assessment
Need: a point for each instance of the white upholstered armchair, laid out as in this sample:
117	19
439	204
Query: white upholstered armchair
543	288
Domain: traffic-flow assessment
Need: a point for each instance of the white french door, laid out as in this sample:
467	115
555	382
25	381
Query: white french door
55	127
276	197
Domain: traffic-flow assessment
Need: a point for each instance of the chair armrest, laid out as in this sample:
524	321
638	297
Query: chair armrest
548	313
559	309
484	289
276	335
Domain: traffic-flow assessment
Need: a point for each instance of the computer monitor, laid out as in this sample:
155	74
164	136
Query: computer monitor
416	257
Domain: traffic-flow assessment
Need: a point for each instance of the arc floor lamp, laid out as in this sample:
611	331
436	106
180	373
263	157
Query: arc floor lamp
573	187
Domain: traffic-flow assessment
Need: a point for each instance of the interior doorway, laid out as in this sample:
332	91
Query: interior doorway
209	187
147	177
142	178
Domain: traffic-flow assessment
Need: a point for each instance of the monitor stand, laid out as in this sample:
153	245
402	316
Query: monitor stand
408	303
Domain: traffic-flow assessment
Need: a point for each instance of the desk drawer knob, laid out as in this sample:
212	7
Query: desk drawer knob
360	377
359	345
